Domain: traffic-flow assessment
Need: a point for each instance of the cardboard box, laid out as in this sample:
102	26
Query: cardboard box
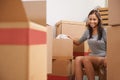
64	70
104	15
113	53
63	47
75	30
23	46
114	12
71	28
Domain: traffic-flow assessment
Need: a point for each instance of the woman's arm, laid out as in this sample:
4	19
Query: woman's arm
75	41
80	40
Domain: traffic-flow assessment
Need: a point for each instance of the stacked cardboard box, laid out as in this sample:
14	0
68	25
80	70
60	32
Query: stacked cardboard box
23	46
62	67
62	48
104	15
113	41
62	57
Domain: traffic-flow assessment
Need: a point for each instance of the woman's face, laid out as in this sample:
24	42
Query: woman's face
93	20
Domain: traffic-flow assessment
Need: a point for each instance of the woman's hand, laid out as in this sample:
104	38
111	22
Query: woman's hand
75	41
70	37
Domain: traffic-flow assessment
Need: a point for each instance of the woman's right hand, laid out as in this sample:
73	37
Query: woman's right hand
70	37
75	41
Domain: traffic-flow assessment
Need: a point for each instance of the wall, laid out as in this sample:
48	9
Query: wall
70	9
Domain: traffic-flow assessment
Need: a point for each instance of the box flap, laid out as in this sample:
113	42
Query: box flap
36	11
12	10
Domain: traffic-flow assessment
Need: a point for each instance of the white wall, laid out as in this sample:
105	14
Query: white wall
76	10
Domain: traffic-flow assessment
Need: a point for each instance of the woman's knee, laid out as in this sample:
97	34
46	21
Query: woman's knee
86	60
79	59
102	61
105	63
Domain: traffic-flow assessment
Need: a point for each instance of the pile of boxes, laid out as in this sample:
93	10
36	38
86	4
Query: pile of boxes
113	41
64	50
75	30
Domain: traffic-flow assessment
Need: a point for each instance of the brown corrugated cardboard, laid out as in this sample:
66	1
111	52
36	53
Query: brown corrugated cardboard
71	28
114	12
49	48
36	11
113	53
10	14
62	67
23	46
63	47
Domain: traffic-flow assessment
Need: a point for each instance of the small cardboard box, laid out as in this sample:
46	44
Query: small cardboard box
23	46
62	67
113	53
62	47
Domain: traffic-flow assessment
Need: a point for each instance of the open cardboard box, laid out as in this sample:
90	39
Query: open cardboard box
23	46
62	48
75	30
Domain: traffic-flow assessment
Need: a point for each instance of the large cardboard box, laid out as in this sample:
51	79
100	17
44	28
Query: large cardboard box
113	53
23	46
114	12
75	30
62	48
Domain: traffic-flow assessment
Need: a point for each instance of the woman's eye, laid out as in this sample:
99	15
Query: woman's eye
90	19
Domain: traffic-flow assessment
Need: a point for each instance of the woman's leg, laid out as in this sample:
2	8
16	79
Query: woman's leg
89	62
105	62
105	68
79	68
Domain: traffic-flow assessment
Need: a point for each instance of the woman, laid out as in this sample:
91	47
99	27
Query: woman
96	37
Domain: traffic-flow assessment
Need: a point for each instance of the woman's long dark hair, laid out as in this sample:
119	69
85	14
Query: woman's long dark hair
99	29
